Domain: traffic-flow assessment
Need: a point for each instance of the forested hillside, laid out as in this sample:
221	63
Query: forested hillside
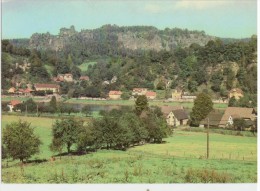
137	57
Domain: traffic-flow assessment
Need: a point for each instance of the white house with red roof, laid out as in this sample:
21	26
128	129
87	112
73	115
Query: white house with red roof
12	104
44	87
115	94
150	95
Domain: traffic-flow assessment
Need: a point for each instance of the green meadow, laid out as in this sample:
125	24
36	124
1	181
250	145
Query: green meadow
132	102
180	159
84	66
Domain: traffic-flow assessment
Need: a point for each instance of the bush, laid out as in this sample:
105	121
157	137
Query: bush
207	176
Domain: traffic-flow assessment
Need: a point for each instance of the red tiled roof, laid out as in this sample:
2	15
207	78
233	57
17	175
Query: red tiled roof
115	93
46	86
84	78
150	94
15	102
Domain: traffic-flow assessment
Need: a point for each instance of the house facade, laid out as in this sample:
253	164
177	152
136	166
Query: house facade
176	94
44	87
177	117
12	104
12	90
237	93
115	95
64	78
231	113
139	91
150	95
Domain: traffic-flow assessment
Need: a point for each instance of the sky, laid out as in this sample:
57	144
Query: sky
221	18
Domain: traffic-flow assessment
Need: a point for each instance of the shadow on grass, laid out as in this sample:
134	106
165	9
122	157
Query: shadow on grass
36	161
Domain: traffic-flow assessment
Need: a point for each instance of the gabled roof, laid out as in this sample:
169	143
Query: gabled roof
115	93
167	109
237	112
12	89
180	114
150	94
15	102
46	86
214	118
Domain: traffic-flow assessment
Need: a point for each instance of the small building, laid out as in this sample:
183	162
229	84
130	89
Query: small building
177	117
115	94
12	104
84	78
150	95
176	94
44	87
139	91
213	119
237	93
113	80
231	113
12	90
64	78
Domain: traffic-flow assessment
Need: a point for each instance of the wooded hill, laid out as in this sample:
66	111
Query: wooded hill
139	56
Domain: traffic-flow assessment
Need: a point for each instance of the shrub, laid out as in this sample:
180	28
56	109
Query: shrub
207	176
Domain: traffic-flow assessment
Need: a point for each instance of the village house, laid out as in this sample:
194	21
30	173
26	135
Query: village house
139	91
237	93
11	90
176	94
231	113
150	95
25	92
113	80
213	119
44	87
175	115
188	97
64	78
115	94
12	104
84	78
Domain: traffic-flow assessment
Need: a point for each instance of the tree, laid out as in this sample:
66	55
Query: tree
240	124
202	106
157	127
86	137
135	131
19	140
232	102
141	104
66	131
86	110
53	103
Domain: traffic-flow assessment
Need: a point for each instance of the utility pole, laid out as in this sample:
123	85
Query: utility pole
26	109
37	110
208	140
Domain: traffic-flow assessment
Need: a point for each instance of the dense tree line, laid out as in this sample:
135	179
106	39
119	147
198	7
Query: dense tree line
210	66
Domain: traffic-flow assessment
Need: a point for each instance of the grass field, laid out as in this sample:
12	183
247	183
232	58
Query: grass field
84	66
5	99
132	102
180	159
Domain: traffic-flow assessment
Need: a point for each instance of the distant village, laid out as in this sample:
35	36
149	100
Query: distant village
174	115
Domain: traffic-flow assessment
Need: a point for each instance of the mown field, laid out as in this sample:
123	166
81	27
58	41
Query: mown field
180	159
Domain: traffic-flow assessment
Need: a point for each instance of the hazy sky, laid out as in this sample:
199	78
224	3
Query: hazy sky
227	18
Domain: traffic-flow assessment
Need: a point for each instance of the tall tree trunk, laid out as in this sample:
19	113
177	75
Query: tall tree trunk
68	147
